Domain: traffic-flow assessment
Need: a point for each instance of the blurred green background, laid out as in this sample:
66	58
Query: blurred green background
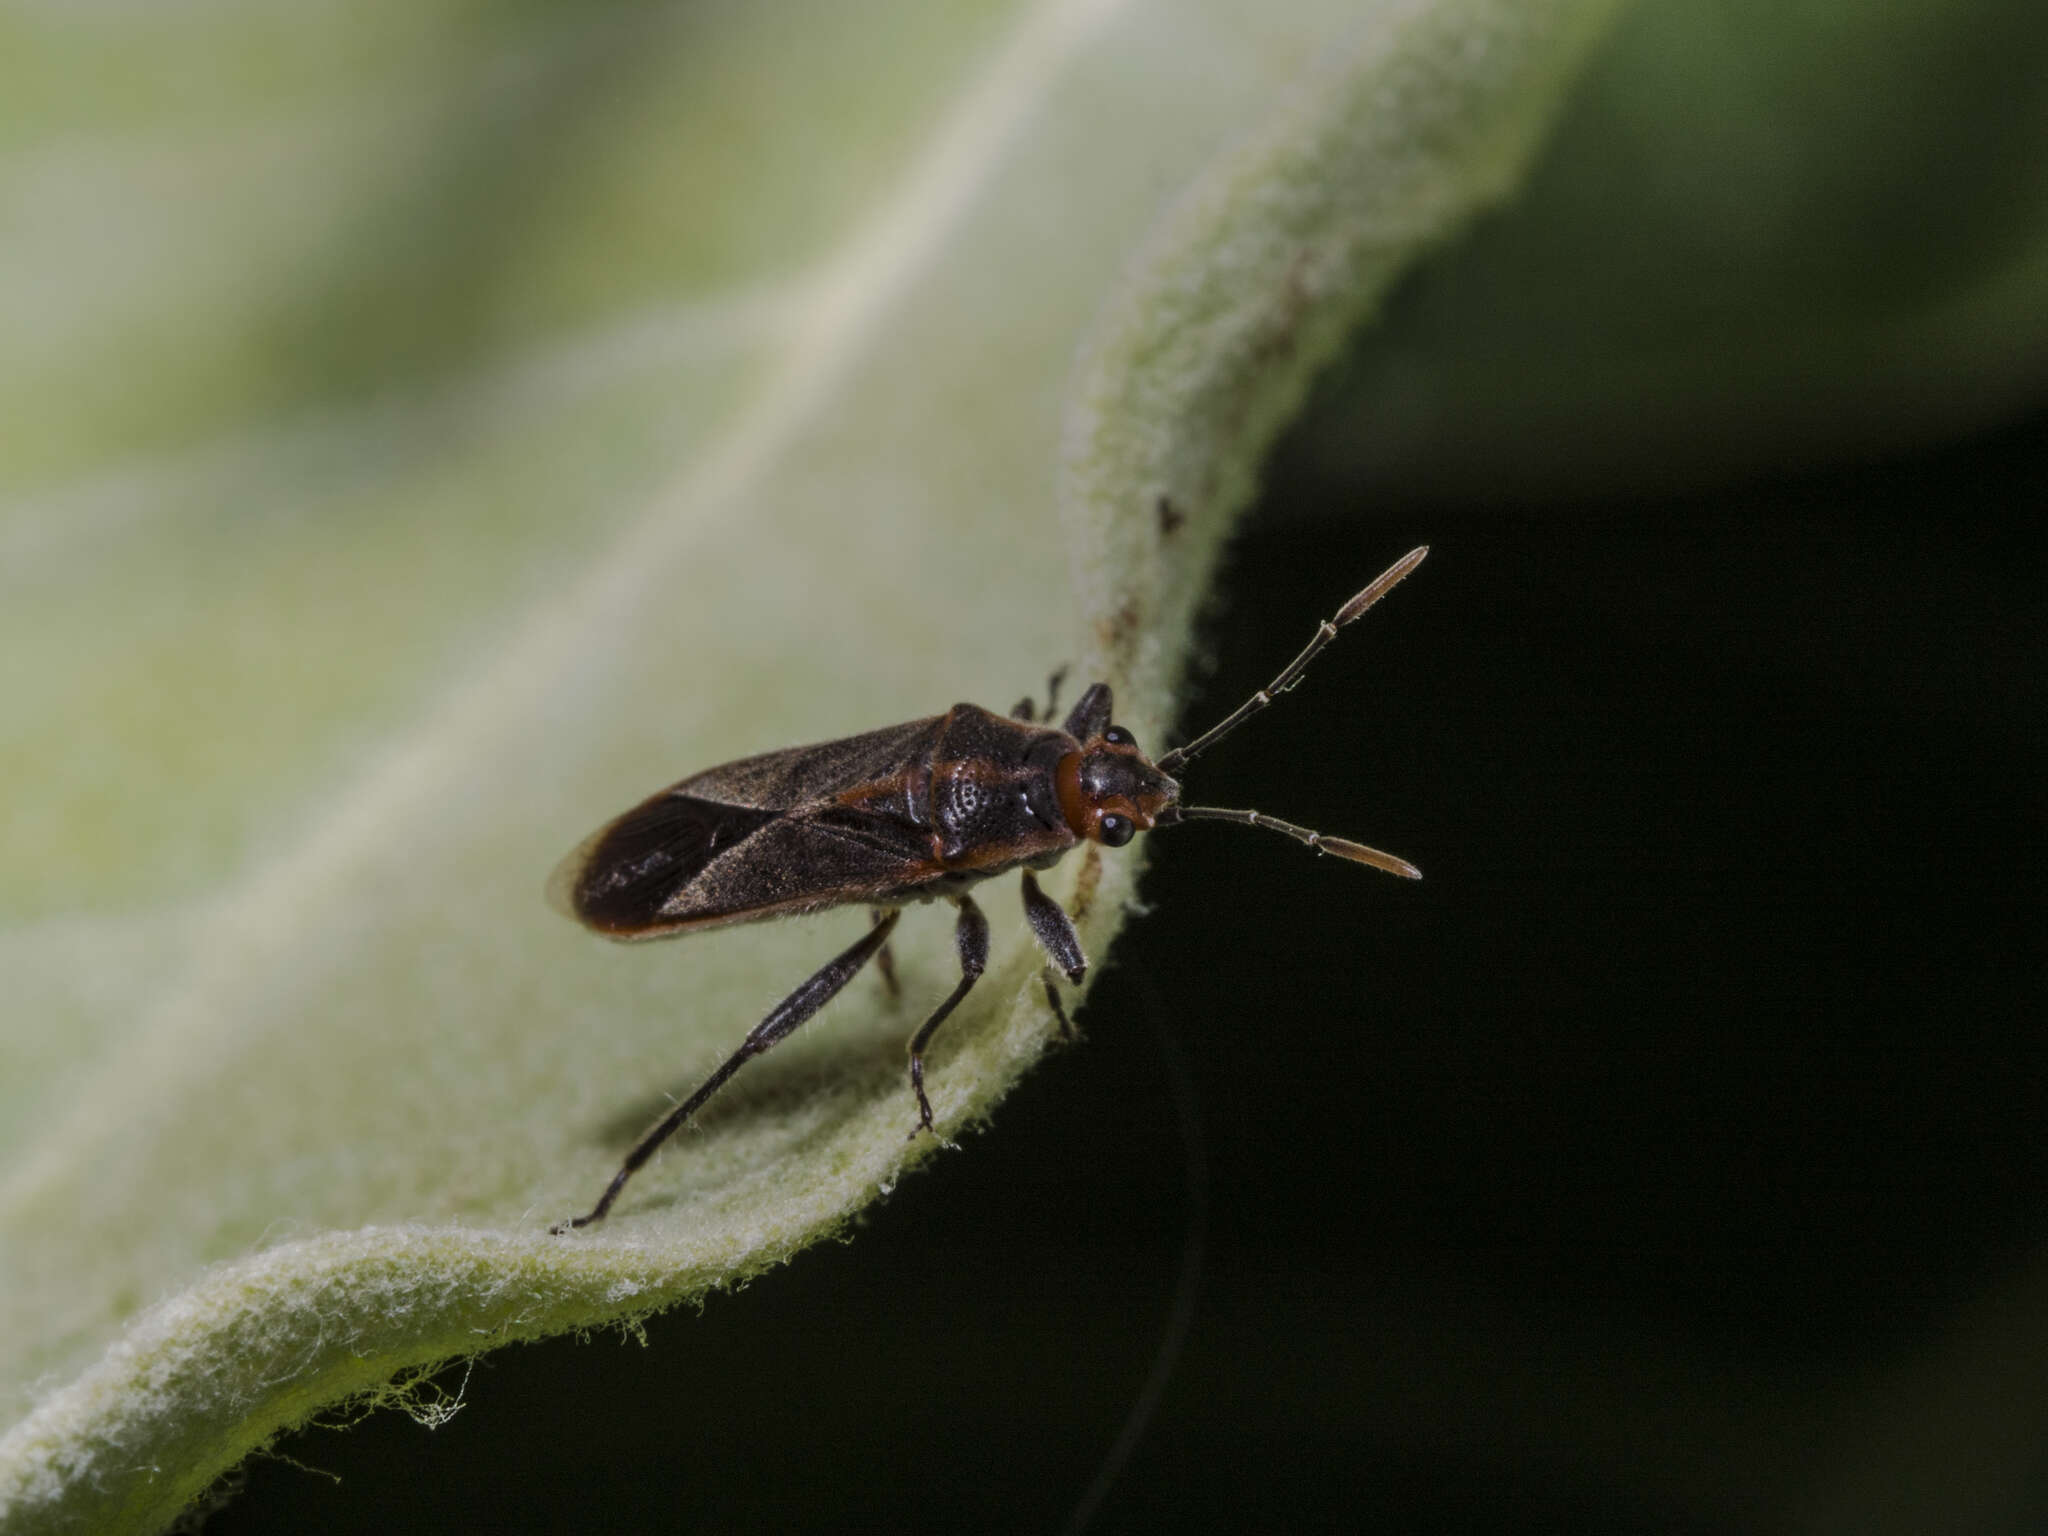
1669	1160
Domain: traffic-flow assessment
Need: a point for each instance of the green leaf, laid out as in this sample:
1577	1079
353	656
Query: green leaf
460	424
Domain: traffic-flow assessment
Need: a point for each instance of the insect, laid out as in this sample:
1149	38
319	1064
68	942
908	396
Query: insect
911	813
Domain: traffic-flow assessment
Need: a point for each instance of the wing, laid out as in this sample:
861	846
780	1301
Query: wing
802	776
755	838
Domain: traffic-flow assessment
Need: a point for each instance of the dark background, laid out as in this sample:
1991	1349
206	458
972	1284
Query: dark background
1670	1159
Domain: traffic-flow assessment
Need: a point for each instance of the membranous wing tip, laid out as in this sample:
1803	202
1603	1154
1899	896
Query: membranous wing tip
621	878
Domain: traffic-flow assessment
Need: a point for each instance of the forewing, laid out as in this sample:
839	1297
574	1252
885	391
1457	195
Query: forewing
753	838
800	863
804	776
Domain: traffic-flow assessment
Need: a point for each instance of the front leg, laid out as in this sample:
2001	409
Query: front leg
1027	712
1062	945
971	938
884	961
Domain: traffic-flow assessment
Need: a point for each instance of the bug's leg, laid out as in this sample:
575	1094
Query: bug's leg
1089	717
885	962
1052	693
782	1021
1026	711
1056	936
1054	930
971	937
1059	1009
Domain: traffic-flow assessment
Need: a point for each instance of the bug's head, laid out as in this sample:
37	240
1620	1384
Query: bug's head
1109	790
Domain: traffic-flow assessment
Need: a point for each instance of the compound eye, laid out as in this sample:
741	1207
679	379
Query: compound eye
1116	830
1117	736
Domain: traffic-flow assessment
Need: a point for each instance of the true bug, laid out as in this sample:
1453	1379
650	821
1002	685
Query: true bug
911	812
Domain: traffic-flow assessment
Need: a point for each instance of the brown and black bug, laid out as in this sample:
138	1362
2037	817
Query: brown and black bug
912	812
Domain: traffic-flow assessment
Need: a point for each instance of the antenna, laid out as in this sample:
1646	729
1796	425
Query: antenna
1172	763
1357	852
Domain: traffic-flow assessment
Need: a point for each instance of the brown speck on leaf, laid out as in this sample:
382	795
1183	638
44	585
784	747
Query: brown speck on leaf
1115	633
1170	517
1281	331
1274	339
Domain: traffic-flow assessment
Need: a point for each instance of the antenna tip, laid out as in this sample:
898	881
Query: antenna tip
1381	585
1358	853
1406	564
